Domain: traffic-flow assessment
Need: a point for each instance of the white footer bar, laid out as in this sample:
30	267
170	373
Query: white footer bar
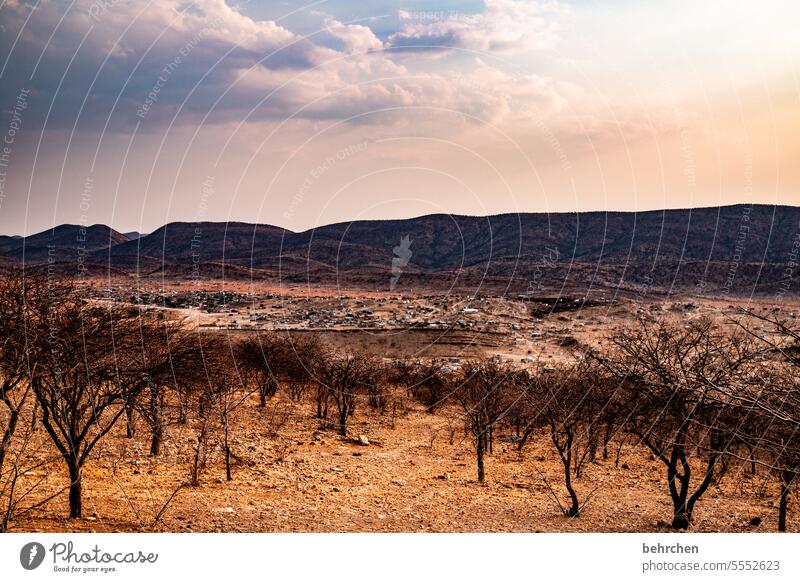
371	557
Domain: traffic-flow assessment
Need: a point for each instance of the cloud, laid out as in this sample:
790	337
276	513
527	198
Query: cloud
126	56
124	63
504	26
354	38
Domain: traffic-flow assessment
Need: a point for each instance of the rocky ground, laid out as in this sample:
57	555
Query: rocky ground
417	474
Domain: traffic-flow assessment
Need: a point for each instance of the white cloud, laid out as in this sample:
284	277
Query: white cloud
225	66
355	38
503	26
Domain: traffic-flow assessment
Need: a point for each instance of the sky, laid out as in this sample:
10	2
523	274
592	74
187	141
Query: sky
299	114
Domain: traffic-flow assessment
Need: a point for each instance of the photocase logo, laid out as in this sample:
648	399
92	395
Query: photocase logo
31	555
400	261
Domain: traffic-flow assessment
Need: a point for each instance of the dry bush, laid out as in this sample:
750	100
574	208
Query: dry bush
771	401
82	386
276	415
569	403
425	380
25	475
345	378
259	358
485	391
225	392
674	383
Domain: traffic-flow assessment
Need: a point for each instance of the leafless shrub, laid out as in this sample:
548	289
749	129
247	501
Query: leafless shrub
346	377
425	380
301	355
674	385
173	355
569	402
225	391
20	299
772	401
260	358
24	476
485	391
199	452
275	416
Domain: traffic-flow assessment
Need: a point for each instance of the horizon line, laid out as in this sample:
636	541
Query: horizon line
415	217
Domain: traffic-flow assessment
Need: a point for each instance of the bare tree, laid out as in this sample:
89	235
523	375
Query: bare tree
425	380
300	356
260	358
345	377
172	357
569	401
200	452
85	377
674	378
225	391
772	402
779	409
19	296
485	391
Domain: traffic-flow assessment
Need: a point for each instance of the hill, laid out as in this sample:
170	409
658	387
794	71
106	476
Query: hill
737	249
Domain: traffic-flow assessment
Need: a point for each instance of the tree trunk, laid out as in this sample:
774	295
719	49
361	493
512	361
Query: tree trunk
712	461
129	428
479	451
526	434
74	489
155	440
266	390
787	478
678	487
574	508
158	422
680	519
202	408
566	459
322	403
343	421
272	388
183	416
228	475
199	454
752	455
9	432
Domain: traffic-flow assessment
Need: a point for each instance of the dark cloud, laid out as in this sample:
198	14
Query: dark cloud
108	57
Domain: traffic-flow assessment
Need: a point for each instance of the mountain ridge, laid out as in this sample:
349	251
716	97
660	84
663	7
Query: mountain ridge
664	248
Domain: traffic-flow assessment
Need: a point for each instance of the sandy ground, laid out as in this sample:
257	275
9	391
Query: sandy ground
417	474
410	478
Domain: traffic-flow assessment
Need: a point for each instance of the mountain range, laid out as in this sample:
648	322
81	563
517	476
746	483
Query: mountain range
727	250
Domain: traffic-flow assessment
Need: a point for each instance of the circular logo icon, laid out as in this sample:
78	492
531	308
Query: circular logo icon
31	555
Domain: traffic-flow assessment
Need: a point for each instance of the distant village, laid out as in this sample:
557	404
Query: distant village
519	328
